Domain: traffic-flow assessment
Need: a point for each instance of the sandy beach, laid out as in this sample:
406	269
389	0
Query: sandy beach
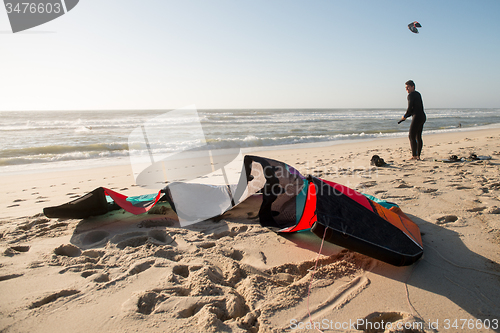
125	273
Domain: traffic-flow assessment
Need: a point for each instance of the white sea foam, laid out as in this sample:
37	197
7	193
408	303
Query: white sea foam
48	139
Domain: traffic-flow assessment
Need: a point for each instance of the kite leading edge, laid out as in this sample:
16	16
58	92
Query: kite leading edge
413	27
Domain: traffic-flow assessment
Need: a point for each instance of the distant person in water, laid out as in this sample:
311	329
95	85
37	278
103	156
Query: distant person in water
416	111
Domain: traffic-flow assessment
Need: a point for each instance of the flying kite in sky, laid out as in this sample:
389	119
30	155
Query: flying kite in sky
413	27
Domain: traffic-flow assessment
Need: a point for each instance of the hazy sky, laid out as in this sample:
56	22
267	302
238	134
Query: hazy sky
160	54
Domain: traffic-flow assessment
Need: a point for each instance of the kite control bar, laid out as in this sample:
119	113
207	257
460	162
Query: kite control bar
399	122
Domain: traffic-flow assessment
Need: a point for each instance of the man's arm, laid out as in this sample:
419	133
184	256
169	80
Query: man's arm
411	106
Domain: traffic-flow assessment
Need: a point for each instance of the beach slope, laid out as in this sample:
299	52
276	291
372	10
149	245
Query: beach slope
125	273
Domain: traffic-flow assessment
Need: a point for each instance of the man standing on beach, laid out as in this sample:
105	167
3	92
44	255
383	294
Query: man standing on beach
416	111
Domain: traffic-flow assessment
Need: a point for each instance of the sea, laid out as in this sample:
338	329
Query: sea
34	141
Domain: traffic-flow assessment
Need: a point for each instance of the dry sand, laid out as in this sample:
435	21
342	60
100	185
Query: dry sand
124	273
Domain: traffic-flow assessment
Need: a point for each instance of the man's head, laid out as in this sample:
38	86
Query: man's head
410	86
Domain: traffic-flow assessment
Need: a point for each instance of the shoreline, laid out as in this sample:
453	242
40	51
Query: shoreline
83	164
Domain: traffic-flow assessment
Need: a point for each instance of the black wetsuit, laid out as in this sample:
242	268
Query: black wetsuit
416	111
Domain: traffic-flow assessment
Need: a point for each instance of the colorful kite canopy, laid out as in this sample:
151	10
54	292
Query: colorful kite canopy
413	27
292	202
289	202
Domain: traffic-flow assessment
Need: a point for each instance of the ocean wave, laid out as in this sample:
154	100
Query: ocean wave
61	150
74	136
254	141
73	156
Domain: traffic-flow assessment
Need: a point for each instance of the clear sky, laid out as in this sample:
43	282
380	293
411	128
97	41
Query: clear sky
166	54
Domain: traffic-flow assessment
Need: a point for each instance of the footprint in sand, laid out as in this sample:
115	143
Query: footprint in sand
95	275
100	277
206	245
236	255
476	209
53	297
181	270
446	219
426	190
21	248
68	250
196	291
9	276
35	264
232	233
368	184
170	254
403	184
139	238
40	199
94	237
141	266
13	250
493	210
463	188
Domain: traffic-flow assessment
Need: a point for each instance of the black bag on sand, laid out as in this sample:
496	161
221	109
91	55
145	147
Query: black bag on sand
377	161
